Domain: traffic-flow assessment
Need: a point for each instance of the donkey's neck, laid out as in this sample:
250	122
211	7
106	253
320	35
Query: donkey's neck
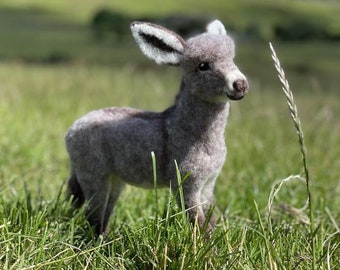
199	118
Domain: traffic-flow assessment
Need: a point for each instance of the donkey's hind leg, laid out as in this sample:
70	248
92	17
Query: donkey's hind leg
74	191
116	187
101	194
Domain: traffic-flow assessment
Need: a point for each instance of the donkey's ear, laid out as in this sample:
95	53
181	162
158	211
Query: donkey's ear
158	43
217	28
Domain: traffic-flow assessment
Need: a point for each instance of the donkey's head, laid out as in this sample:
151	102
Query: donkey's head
207	59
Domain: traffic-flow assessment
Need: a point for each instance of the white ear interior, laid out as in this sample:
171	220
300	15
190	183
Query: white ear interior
217	28
158	43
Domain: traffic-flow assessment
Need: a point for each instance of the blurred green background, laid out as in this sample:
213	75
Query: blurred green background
306	33
61	59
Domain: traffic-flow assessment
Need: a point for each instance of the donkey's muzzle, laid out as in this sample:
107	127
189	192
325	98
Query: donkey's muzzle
237	84
240	88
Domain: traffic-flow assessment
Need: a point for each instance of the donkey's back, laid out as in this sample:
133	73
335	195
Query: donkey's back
119	141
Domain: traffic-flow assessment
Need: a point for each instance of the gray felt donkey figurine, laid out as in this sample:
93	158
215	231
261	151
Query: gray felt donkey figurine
112	146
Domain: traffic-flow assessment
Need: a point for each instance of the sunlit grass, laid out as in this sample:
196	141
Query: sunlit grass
38	103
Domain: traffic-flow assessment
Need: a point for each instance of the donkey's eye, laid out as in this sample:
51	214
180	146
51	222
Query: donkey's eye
203	66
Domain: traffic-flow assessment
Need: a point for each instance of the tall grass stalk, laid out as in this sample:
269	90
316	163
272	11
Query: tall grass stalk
271	259
180	190
154	170
298	127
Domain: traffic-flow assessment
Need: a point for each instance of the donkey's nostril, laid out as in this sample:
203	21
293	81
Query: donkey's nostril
240	86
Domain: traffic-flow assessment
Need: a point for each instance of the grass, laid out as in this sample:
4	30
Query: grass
39	231
39	101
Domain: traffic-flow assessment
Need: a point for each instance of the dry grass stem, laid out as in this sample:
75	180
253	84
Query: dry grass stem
297	123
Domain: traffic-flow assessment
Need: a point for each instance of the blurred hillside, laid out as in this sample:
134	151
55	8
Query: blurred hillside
307	33
264	19
259	20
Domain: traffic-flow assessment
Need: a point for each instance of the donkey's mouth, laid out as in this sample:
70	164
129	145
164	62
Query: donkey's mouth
235	96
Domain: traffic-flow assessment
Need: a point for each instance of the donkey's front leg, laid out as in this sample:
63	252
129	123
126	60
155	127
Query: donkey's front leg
208	200
194	206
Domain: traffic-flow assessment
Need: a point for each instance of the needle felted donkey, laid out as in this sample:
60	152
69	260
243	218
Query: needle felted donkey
112	146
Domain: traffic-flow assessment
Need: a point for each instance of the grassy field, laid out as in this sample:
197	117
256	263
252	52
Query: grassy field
39	101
